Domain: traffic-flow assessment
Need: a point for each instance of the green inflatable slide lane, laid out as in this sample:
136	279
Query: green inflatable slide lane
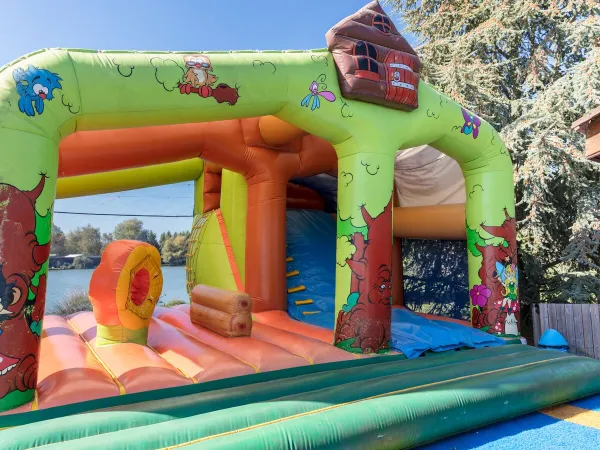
384	402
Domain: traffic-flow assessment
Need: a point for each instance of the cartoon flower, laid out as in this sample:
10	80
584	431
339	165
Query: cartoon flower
471	125
479	295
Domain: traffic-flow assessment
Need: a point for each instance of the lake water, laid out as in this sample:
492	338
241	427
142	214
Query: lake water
60	282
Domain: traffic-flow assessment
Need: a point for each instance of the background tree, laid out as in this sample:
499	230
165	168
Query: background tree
86	240
82	262
58	241
174	248
107	238
530	68
163	238
435	274
134	229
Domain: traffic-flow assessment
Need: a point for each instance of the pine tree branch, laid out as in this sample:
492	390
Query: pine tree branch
552	264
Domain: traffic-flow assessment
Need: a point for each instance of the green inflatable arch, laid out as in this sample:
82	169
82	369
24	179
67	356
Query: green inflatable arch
49	94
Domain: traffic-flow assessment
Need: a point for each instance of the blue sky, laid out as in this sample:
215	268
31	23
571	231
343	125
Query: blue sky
158	25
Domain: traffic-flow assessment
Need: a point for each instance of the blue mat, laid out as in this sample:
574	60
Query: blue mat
414	335
535	431
311	244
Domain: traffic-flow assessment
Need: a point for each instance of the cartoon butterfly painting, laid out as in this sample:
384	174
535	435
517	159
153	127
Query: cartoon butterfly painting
315	93
471	125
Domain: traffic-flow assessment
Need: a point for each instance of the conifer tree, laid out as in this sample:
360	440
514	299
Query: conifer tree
530	68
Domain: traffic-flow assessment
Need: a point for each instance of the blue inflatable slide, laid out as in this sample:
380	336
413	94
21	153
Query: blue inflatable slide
311	240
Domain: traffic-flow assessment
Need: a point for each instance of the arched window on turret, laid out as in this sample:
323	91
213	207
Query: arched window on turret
382	23
365	58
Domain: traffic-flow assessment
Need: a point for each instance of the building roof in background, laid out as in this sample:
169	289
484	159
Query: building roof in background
582	123
589	126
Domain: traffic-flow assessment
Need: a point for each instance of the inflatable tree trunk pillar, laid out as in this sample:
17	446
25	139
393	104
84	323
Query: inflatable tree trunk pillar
492	247
27	185
364	252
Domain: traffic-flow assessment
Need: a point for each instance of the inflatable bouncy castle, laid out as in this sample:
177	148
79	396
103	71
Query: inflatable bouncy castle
308	166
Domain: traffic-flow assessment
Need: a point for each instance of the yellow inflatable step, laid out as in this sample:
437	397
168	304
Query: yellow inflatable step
308	301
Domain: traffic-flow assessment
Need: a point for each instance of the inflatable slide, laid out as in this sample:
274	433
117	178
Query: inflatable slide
310	286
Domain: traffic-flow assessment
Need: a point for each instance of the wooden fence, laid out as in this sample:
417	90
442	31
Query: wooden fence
579	324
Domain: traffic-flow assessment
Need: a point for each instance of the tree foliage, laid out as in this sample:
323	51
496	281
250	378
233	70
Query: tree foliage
86	240
90	241
174	247
530	68
58	246
107	238
134	229
436	277
82	262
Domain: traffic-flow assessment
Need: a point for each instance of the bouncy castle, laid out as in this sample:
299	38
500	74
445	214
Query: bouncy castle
296	335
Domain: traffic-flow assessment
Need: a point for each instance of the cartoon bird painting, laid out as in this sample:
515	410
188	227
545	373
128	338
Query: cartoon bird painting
34	86
198	73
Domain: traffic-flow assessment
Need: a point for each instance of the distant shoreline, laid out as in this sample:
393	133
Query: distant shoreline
91	268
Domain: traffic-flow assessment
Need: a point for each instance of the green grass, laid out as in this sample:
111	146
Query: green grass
74	301
78	300
172	302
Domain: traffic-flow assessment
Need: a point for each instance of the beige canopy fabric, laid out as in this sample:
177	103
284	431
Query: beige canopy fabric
424	176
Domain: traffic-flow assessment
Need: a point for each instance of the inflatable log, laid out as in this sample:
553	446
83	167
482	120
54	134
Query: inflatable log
228	325
227	313
230	302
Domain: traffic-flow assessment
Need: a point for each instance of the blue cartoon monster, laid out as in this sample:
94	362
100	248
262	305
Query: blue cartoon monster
34	86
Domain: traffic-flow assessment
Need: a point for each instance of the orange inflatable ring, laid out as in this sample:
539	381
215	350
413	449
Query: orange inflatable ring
124	290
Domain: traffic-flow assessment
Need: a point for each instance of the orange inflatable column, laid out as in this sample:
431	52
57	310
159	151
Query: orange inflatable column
212	187
124	290
265	254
